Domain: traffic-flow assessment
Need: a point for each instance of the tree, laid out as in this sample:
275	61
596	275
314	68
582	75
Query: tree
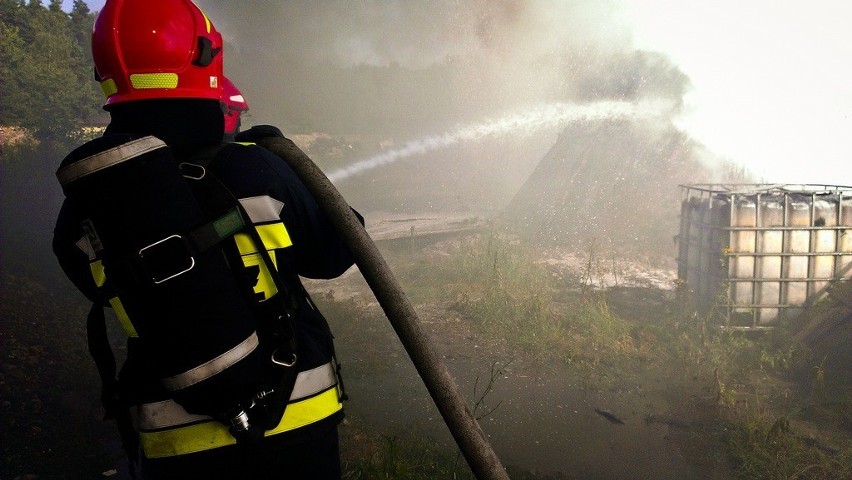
82	21
12	99
46	84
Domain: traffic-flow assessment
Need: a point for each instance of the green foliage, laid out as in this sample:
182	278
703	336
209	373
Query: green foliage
504	292
509	295
46	83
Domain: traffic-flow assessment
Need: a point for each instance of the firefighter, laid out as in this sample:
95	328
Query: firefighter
160	67
234	105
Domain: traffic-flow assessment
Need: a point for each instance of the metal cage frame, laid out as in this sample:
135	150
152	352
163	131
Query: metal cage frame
742	265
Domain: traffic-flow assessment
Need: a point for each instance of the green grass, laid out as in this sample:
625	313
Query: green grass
495	284
507	294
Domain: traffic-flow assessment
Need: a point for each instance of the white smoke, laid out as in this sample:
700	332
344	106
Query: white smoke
518	124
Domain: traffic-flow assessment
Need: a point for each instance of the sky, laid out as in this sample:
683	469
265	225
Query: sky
771	80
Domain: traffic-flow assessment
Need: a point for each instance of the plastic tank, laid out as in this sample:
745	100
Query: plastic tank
769	266
798	242
825	215
844	263
744	214
762	252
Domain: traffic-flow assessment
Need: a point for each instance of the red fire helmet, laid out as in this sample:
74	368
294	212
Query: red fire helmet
233	104
152	49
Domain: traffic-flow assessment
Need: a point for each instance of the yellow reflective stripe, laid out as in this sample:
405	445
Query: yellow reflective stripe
306	412
274	235
98	274
180	441
123	319
143	81
244	244
246	144
108	87
265	284
208	435
206	20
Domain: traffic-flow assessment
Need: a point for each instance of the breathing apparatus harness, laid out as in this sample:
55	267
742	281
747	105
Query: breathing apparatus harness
170	258
277	326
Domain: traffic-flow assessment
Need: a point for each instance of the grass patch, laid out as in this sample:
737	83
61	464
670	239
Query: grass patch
767	448
368	453
507	294
761	389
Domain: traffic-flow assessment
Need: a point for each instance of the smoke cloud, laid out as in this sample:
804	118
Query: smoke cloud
387	81
408	67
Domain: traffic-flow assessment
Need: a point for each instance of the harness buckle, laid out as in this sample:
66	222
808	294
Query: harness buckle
166	259
192	171
284	363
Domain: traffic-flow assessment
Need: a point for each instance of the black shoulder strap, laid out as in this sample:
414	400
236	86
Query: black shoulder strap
278	318
114	406
101	352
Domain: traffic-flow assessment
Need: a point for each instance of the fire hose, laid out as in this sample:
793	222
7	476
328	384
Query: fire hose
457	415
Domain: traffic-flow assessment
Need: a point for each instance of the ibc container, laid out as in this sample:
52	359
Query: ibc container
761	252
798	242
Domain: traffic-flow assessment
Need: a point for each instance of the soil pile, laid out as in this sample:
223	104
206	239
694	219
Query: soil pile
615	179
826	329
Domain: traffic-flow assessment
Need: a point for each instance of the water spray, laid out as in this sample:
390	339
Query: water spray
550	115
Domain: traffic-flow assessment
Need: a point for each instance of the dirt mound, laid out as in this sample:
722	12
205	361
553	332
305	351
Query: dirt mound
826	329
615	179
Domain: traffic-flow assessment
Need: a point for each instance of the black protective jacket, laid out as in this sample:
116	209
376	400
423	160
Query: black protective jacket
311	249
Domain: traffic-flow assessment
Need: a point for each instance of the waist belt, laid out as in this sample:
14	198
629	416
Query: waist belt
166	429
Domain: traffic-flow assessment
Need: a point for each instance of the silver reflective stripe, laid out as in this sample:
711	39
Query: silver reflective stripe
212	367
169	414
263	209
313	381
107	158
86	246
165	414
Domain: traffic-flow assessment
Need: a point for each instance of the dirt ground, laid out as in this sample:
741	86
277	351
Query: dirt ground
548	418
